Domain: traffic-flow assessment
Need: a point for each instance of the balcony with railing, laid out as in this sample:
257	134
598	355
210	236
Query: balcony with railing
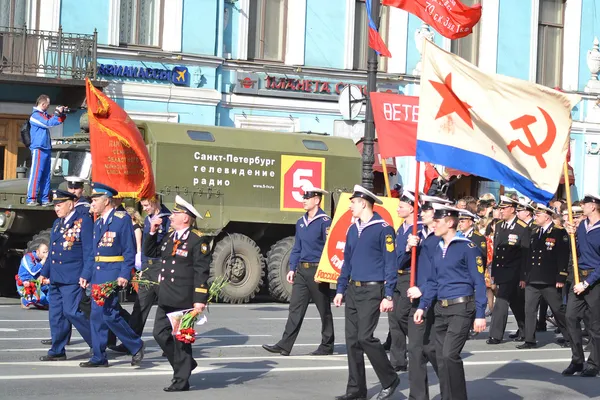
47	54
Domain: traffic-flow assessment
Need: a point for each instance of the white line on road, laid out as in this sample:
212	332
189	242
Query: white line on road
285	318
143	337
8	330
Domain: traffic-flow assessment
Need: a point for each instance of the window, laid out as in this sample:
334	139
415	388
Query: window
201	136
140	22
315	145
361	35
468	47
13	13
266	30
550	42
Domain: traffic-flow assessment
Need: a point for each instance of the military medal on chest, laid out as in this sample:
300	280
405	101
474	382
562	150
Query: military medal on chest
550	242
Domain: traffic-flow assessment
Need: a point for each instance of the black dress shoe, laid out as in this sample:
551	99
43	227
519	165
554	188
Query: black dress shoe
174	388
119	349
60	357
572	368
89	364
275	349
137	358
321	352
527	345
493	341
561	340
351	396
401	368
565	345
519	339
590	372
388	392
514	335
46	342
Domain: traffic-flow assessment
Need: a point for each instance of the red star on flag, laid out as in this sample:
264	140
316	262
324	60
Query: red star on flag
451	103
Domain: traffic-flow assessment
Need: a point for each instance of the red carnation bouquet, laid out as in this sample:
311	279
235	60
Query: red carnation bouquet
183	321
102	291
30	289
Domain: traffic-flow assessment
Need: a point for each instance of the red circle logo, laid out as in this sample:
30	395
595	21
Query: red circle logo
337	236
246	83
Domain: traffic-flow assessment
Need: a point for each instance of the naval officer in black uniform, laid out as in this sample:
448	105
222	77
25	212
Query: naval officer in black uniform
311	234
511	246
458	284
466	224
545	273
185	254
368	279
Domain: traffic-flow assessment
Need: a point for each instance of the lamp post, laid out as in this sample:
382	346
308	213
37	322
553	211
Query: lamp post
368	158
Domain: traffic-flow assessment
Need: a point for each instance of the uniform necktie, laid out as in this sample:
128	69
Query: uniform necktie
176	243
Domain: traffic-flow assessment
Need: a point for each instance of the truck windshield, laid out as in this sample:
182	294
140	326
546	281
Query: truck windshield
72	163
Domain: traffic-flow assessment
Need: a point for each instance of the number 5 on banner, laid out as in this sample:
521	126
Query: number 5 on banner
296	172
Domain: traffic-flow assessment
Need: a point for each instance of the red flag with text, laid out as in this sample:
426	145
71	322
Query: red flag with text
120	158
396	119
450	18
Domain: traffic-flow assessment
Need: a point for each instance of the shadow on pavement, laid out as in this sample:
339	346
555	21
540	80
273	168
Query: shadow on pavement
249	371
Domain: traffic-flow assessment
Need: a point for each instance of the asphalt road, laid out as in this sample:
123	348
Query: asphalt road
232	364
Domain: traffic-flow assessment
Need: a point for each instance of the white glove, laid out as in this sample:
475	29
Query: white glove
138	261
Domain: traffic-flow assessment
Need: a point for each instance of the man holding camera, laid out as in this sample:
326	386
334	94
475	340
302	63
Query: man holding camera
41	149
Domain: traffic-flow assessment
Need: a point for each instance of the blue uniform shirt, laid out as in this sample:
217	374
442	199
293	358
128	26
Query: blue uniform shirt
369	255
588	249
456	274
30	267
162	231
403	256
70	249
424	253
113	238
310	239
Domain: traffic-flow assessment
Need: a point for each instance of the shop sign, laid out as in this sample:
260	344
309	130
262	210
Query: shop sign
179	76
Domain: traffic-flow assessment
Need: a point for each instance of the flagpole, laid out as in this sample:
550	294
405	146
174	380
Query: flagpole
386	178
413	250
572	236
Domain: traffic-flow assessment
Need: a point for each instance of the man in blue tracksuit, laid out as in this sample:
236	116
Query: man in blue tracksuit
38	188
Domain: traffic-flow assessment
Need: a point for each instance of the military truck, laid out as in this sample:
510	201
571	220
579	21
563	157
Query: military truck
245	183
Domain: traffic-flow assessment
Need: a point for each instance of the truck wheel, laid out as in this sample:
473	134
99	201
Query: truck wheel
278	265
42	237
238	257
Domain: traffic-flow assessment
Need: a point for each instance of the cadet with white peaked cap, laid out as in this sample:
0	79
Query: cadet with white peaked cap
363	193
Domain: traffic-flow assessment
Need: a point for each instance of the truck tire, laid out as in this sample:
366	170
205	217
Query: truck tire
238	258
36	240
278	265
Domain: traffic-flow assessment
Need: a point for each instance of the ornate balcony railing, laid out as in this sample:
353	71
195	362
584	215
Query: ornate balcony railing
47	54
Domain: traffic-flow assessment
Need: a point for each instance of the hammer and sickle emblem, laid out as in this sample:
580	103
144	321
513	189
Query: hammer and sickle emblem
534	149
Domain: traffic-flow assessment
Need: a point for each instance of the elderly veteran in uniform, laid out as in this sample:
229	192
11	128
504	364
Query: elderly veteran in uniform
368	279
421	343
511	246
545	273
585	299
186	254
311	234
466	225
458	285
70	253
114	254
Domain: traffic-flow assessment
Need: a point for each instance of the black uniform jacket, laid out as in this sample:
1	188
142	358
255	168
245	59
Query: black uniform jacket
185	267
511	246
548	259
479	240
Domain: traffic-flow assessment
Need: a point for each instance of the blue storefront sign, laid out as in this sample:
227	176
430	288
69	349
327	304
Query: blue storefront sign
179	76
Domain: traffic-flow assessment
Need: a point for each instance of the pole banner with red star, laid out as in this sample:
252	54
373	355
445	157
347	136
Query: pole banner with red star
396	119
451	18
498	127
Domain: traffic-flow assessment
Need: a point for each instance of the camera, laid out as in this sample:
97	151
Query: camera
67	110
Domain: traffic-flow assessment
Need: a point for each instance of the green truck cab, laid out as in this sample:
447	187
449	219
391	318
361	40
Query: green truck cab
245	183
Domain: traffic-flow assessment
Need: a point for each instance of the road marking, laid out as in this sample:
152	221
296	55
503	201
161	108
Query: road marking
305	318
143	337
8	330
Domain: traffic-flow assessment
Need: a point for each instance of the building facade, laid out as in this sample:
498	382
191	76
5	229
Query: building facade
281	64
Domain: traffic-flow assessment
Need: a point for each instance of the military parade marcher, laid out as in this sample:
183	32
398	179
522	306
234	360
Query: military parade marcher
545	273
398	318
511	244
585	299
147	295
186	256
421	344
311	234
368	279
114	255
458	285
70	253
466	225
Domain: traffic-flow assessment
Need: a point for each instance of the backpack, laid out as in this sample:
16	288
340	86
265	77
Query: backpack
26	133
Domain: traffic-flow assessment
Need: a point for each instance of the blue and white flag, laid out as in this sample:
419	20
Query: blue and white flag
497	127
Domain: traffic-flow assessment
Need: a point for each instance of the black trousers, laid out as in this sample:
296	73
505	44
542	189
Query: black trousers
421	349
509	294
452	326
145	299
304	289
534	294
398	320
543	313
362	315
586	306
178	353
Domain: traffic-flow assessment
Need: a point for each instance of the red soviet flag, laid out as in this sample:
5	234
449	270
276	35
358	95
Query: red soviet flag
120	158
396	119
450	18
